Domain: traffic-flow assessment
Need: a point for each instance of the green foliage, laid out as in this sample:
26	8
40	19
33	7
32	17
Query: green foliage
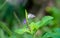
55	12
5	28
35	26
54	34
47	27
2	35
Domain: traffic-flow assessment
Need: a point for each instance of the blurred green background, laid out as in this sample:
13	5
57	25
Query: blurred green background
14	21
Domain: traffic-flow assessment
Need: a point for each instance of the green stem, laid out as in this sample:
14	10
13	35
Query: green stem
17	19
27	19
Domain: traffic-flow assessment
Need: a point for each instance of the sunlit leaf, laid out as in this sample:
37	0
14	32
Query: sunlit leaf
2	35
44	21
22	31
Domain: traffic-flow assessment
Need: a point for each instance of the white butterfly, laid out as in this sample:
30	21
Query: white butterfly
31	15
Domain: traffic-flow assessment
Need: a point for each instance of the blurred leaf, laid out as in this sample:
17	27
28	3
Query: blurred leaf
16	36
55	12
56	30
27	36
5	28
44	21
2	35
51	35
22	31
55	33
34	26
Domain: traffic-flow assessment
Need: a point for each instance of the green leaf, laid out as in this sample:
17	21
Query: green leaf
22	31
2	35
16	36
56	30
5	28
51	35
55	12
44	21
54	33
32	26
27	36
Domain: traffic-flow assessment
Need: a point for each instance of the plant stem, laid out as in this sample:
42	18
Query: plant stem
27	19
17	18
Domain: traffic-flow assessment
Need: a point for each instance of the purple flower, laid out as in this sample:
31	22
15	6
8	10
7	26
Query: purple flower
24	21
